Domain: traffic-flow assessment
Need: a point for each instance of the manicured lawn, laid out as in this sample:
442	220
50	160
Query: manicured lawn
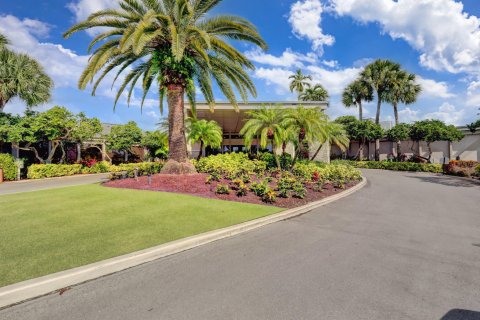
49	231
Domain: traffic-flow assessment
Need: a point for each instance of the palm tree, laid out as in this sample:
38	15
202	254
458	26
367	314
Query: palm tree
378	75
299	82
315	93
355	93
3	41
179	43
335	134
402	89
208	133
307	124
265	124
22	77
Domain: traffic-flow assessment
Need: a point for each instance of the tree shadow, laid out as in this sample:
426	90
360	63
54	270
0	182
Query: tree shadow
445	180
460	314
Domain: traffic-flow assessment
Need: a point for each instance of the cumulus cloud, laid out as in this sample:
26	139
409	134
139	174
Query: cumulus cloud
82	9
278	77
432	88
409	115
448	113
289	58
333	80
306	21
446	36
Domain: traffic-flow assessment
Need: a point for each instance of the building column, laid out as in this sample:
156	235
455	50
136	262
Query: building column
15	151
79	152
104	151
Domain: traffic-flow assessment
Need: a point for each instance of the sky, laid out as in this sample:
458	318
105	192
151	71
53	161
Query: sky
332	40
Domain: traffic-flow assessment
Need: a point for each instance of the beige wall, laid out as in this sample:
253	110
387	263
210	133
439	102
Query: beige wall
467	149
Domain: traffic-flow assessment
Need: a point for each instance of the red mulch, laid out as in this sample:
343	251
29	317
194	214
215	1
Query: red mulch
195	185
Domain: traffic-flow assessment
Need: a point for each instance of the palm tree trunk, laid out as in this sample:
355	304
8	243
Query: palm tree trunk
377	121
200	153
274	150
176	121
2	104
360	150
399	150
317	152
395	111
360	111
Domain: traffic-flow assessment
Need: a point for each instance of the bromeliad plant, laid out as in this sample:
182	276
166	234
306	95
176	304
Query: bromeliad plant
177	44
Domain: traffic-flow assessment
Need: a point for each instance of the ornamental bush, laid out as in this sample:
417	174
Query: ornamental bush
394	166
7	164
462	168
41	171
477	170
232	165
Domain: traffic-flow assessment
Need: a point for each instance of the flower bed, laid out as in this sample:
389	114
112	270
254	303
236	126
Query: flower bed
463	168
236	178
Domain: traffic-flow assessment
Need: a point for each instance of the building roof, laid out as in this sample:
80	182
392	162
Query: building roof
257	104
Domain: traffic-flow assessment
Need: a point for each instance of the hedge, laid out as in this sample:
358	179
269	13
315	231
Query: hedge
7	163
40	171
394	166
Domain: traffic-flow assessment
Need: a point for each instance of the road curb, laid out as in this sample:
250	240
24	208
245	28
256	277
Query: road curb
30	289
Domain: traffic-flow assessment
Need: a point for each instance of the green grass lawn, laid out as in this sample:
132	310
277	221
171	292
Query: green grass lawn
49	231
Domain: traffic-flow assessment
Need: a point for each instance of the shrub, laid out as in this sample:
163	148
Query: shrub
259	188
9	167
269	159
299	190
269	196
232	165
222	189
97	167
144	168
462	168
477	170
242	190
395	166
40	171
213	177
306	170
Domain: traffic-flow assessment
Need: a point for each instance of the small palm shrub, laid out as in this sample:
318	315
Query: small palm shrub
269	196
222	189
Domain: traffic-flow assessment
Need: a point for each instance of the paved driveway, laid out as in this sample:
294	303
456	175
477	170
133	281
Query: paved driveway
405	247
53	183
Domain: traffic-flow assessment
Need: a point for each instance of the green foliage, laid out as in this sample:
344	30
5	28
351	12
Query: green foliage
474	126
362	131
268	157
234	164
259	188
315	93
124	137
299	82
395	166
434	130
99	167
208	133
222	189
9	167
298	190
355	93
85	129
240	187
477	170
23	77
156	143
400	132
41	171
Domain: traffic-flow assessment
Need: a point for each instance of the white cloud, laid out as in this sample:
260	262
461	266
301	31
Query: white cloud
63	65
448	113
82	9
333	80
409	115
330	63
289	58
446	36
432	88
306	18
275	76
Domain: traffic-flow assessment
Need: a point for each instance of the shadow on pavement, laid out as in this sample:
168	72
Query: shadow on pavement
450	181
459	314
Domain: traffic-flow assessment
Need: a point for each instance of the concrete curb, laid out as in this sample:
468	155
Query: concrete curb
26	290
92	175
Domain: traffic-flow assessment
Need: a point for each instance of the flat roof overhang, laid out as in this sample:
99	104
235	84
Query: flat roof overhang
232	120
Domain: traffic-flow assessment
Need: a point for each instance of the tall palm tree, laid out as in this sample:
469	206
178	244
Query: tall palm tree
178	43
308	125
335	134
378	75
22	77
299	82
315	93
402	89
264	124
208	133
355	93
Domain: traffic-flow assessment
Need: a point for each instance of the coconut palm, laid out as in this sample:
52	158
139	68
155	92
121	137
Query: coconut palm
178	43
315	93
299	82
264	124
402	89
334	134
3	41
355	93
22	77
308	125
208	133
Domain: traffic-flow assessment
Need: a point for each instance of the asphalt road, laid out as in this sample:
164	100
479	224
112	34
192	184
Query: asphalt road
53	183
407	246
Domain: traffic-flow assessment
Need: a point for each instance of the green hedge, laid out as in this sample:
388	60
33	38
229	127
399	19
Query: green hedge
41	171
394	166
232	165
7	163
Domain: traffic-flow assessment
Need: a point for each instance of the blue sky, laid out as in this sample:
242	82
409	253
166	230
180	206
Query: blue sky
439	40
